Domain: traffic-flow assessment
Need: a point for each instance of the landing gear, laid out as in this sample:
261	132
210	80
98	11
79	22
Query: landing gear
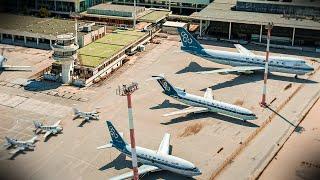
296	76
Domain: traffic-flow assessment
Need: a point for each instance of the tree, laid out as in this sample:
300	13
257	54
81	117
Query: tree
43	12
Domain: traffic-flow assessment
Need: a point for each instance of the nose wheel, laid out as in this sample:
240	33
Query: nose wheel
296	76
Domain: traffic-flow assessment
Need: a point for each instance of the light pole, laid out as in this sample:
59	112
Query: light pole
264	91
135	14
127	90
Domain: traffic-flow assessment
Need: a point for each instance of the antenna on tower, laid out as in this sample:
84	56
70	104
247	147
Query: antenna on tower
76	16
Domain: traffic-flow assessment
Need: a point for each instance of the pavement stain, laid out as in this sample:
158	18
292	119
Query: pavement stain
191	130
238	102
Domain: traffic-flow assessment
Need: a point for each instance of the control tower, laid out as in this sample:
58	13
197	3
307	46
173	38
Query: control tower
65	51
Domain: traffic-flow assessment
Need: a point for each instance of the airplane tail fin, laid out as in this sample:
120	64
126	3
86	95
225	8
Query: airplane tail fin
76	111
117	140
166	86
8	142
37	124
188	41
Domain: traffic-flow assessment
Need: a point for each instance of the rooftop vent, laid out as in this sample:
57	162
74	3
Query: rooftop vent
87	27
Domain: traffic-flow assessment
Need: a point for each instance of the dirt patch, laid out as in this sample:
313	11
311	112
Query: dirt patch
191	130
238	102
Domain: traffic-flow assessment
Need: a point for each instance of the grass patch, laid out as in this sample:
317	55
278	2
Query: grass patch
95	54
119	39
153	16
99	51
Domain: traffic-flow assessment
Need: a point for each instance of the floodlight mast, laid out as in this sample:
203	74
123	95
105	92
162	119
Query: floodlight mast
76	16
127	90
135	14
263	100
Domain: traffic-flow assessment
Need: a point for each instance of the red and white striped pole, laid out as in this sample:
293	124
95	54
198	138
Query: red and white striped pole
263	100
127	90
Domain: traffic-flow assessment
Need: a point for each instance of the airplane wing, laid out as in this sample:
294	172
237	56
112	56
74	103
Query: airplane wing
47	134
243	50
141	170
233	69
187	110
17	150
16	68
57	123
165	144
208	94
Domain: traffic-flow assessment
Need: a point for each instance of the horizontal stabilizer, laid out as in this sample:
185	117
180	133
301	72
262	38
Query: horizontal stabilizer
105	146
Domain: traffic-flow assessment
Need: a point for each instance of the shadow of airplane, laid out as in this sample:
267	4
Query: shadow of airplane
37	86
195	67
257	76
13	156
86	121
165	175
297	129
82	123
167	104
119	163
193	116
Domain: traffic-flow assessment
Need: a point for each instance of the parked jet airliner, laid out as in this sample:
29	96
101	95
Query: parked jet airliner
200	104
151	160
244	61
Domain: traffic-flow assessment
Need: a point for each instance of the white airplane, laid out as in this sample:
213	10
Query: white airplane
245	61
152	160
4	67
87	116
200	104
48	129
20	145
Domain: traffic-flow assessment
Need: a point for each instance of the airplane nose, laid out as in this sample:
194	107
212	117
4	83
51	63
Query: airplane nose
199	172
309	67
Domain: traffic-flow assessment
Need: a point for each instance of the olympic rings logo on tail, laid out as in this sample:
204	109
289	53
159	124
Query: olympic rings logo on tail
186	38
113	132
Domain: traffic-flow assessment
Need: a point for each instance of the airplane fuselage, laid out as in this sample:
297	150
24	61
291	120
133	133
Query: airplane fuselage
90	115
24	144
276	63
54	129
163	161
214	106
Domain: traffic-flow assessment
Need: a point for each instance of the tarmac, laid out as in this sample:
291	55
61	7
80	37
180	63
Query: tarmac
206	140
300	154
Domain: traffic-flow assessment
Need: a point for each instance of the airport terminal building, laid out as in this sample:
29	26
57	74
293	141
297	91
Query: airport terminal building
55	7
295	24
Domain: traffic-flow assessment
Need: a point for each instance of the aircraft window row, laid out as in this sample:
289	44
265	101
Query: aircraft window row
154	158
